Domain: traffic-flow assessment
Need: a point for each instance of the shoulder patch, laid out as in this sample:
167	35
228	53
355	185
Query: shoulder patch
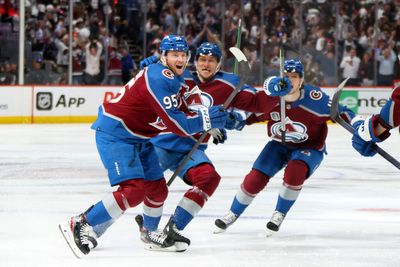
168	73
315	95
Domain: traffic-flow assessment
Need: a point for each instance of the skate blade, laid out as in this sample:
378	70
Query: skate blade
270	233
181	246
218	230
177	247
67	234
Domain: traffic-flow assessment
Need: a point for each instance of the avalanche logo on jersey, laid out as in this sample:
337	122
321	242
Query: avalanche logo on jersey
207	99
159	124
168	73
315	95
296	132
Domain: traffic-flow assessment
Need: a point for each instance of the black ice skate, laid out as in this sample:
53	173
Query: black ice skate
275	222
79	235
159	240
181	242
223	223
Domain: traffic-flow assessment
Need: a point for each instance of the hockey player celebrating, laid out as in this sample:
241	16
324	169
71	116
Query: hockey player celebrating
215	87
199	172
307	113
146	106
375	128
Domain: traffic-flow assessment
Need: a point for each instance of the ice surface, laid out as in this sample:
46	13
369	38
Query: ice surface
348	213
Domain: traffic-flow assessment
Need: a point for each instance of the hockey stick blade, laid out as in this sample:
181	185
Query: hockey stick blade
335	115
244	75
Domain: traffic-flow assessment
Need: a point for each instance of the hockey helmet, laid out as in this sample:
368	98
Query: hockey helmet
174	43
210	49
294	65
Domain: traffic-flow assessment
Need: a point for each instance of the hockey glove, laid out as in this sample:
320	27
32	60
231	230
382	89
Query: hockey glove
236	121
148	61
219	135
363	137
218	116
276	86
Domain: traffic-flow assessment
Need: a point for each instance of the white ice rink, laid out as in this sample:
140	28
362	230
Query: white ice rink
348	213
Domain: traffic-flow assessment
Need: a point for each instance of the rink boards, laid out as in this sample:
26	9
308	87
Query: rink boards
71	104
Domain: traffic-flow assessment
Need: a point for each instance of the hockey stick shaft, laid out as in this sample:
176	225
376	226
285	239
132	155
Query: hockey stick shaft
282	100
238	40
335	115
246	73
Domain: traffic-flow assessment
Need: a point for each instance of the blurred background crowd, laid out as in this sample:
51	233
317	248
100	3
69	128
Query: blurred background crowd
334	39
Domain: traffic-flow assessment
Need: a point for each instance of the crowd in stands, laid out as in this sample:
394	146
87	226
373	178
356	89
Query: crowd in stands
334	39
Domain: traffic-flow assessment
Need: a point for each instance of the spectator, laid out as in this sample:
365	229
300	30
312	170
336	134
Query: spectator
366	70
92	71
6	76
350	65
128	65
114	67
387	59
37	75
77	65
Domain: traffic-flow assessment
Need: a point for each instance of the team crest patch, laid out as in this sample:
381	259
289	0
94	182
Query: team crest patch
275	116
296	132
167	73
315	95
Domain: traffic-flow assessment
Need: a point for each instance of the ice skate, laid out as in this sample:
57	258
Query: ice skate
223	223
181	242
79	235
165	240
275	222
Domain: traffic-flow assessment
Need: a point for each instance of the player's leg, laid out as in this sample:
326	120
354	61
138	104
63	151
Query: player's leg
156	192
122	164
268	163
201	175
302	163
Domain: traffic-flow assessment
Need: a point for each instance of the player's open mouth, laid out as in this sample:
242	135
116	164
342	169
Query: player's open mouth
179	67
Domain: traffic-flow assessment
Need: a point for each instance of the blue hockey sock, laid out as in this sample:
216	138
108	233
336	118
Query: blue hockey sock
241	201
182	218
287	197
98	214
103	214
284	205
151	217
238	207
151	223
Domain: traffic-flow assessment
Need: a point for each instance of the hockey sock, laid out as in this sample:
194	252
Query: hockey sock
253	183
294	177
205	180
106	210
155	194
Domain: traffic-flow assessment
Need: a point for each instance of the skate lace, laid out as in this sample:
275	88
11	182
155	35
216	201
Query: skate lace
84	232
229	218
156	236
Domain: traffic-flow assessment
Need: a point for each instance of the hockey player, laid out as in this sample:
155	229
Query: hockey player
375	128
307	113
146	106
215	87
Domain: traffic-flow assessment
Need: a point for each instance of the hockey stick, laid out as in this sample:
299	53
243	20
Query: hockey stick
238	40
335	115
282	100
245	73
